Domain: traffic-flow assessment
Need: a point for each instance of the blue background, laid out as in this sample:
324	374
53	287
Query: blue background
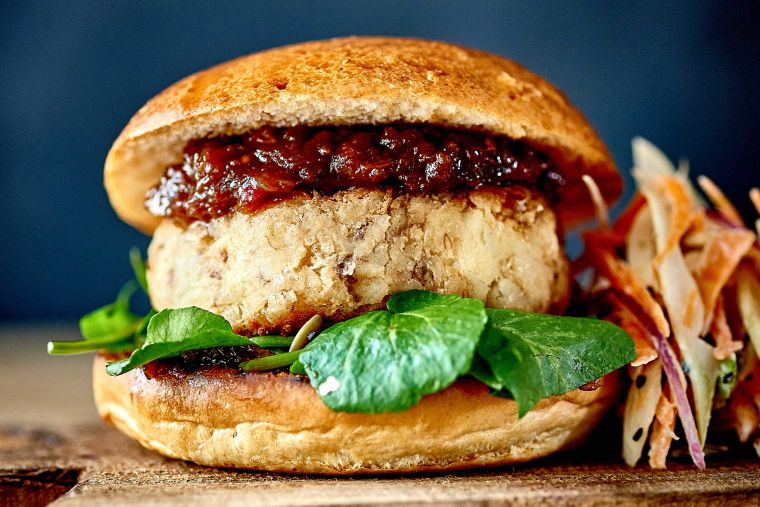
685	75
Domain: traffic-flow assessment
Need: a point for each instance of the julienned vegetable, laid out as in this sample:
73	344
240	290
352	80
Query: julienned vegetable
679	277
383	361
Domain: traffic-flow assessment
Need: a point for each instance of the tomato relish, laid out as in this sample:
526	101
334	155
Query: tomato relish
247	172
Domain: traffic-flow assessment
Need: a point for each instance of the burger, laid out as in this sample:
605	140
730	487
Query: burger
357	265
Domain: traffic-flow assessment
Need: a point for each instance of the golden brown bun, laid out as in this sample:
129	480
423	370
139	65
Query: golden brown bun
359	80
278	423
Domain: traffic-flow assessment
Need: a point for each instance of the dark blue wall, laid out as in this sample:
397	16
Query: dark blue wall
685	75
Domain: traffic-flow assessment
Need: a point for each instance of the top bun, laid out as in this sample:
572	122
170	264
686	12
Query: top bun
358	80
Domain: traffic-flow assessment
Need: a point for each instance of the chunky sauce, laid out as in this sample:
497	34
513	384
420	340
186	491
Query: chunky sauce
219	358
249	171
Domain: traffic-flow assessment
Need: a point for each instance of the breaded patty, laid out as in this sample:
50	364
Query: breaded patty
344	254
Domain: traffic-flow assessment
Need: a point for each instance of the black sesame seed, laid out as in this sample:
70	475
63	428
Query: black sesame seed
639	433
640	381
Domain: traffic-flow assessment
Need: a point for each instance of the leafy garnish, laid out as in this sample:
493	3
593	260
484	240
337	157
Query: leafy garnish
171	332
296	368
482	372
536	356
385	361
111	327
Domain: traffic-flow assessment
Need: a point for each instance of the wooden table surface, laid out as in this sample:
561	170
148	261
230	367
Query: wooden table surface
53	448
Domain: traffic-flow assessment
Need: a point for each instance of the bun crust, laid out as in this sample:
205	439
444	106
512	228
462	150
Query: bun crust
358	80
278	423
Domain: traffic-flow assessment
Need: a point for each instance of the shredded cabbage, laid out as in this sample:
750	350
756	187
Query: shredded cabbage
640	405
681	294
690	275
639	247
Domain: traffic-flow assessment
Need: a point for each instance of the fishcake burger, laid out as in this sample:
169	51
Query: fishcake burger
356	264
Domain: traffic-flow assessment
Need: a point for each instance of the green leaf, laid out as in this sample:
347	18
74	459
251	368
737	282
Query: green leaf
171	332
113	319
142	329
297	368
536	356
111	327
386	361
138	266
176	325
482	372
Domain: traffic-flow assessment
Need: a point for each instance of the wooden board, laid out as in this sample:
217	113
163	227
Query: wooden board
53	447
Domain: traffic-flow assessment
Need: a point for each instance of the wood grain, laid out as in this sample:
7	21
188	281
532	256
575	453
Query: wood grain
53	446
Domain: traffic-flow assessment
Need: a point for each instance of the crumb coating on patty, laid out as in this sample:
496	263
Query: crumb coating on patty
344	254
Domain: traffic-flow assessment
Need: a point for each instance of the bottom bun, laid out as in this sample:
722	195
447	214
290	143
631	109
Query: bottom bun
276	422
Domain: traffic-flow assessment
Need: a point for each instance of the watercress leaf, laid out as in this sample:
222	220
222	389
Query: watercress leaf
536	356
112	322
84	346
297	368
112	327
142	329
207	338
482	372
385	361
173	331
107	321
181	324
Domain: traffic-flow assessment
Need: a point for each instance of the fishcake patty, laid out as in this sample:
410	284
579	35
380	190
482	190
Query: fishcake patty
344	254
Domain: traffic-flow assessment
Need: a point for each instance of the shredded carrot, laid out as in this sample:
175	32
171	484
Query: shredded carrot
693	259
675	283
642	340
662	434
743	415
624	280
696	235
753	255
604	239
579	265
719	200
623	223
720	257
721	333
748	368
751	383
680	214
